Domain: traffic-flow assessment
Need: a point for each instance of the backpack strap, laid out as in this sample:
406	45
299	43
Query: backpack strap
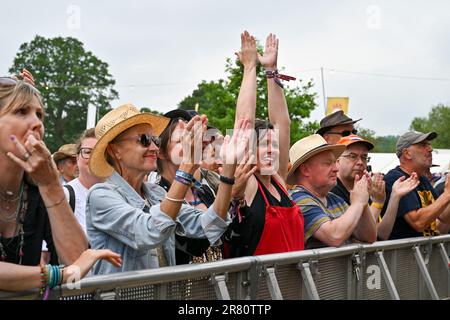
71	196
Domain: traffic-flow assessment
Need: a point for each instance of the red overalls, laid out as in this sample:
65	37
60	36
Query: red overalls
283	228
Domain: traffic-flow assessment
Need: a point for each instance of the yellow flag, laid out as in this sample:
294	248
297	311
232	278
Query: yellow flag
337	103
196	107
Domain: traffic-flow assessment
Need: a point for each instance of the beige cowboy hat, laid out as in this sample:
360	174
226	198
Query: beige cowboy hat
307	147
65	151
114	123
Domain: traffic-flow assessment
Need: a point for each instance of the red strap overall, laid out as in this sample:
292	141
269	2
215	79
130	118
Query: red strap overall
283	228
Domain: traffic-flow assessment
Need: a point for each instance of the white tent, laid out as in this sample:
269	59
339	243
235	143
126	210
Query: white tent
383	162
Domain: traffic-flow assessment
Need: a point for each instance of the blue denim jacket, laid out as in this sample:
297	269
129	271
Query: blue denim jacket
115	220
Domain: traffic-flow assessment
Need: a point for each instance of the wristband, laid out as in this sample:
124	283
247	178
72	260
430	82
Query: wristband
377	205
277	76
184	175
227	180
183	181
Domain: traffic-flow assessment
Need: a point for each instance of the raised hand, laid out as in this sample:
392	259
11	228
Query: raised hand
269	59
403	186
192	140
248	54
243	172
233	148
377	190
360	192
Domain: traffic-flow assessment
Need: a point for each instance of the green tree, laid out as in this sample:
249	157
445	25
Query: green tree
69	79
145	109
438	120
384	144
217	99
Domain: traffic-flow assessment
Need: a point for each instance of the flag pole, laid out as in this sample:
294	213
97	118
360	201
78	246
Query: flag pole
323	92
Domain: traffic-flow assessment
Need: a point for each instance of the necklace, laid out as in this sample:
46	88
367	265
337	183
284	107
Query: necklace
8	197
11	216
21	211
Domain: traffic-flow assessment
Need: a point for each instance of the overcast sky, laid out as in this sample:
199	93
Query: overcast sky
158	51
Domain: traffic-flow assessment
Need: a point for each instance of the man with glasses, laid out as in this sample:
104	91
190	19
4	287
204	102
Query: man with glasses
335	126
76	190
353	162
420	212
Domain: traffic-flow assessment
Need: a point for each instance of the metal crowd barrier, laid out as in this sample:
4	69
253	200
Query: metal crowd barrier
414	268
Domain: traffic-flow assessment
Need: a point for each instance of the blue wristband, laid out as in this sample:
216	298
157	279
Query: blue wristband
184	175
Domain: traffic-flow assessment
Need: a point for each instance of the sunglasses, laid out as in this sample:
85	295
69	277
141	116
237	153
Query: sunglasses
344	133
145	140
7	81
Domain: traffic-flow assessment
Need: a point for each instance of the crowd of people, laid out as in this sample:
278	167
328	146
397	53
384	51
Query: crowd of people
143	191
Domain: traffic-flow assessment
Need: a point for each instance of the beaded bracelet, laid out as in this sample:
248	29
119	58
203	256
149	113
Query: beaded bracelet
44	281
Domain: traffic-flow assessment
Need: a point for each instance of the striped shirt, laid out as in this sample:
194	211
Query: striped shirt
315	212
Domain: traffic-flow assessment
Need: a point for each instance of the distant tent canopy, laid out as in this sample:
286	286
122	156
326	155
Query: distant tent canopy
383	162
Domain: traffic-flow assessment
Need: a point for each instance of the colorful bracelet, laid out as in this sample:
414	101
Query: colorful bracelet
184	175
277	76
43	289
183	180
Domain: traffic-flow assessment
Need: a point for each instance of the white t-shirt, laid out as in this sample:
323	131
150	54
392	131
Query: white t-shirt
81	193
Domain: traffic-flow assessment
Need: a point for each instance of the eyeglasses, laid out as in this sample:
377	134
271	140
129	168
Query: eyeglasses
145	140
354	157
7	81
344	133
85	153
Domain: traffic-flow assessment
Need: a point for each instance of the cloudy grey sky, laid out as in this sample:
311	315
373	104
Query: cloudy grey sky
158	51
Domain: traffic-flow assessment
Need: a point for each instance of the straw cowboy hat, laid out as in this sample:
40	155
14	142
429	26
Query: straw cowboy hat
306	148
114	123
65	151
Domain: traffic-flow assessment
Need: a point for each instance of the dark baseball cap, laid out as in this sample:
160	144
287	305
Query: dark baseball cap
410	138
183	114
335	119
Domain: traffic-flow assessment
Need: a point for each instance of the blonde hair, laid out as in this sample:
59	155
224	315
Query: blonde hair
13	96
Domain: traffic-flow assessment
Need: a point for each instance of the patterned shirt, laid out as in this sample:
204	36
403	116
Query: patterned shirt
315	212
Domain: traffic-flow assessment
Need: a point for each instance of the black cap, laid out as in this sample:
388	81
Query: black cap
335	119
183	114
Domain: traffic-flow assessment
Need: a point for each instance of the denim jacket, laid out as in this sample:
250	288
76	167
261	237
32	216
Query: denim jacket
115	220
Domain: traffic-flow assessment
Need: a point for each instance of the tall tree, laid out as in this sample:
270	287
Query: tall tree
438	120
217	99
69	79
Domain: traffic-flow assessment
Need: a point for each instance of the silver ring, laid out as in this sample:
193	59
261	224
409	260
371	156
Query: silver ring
26	156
